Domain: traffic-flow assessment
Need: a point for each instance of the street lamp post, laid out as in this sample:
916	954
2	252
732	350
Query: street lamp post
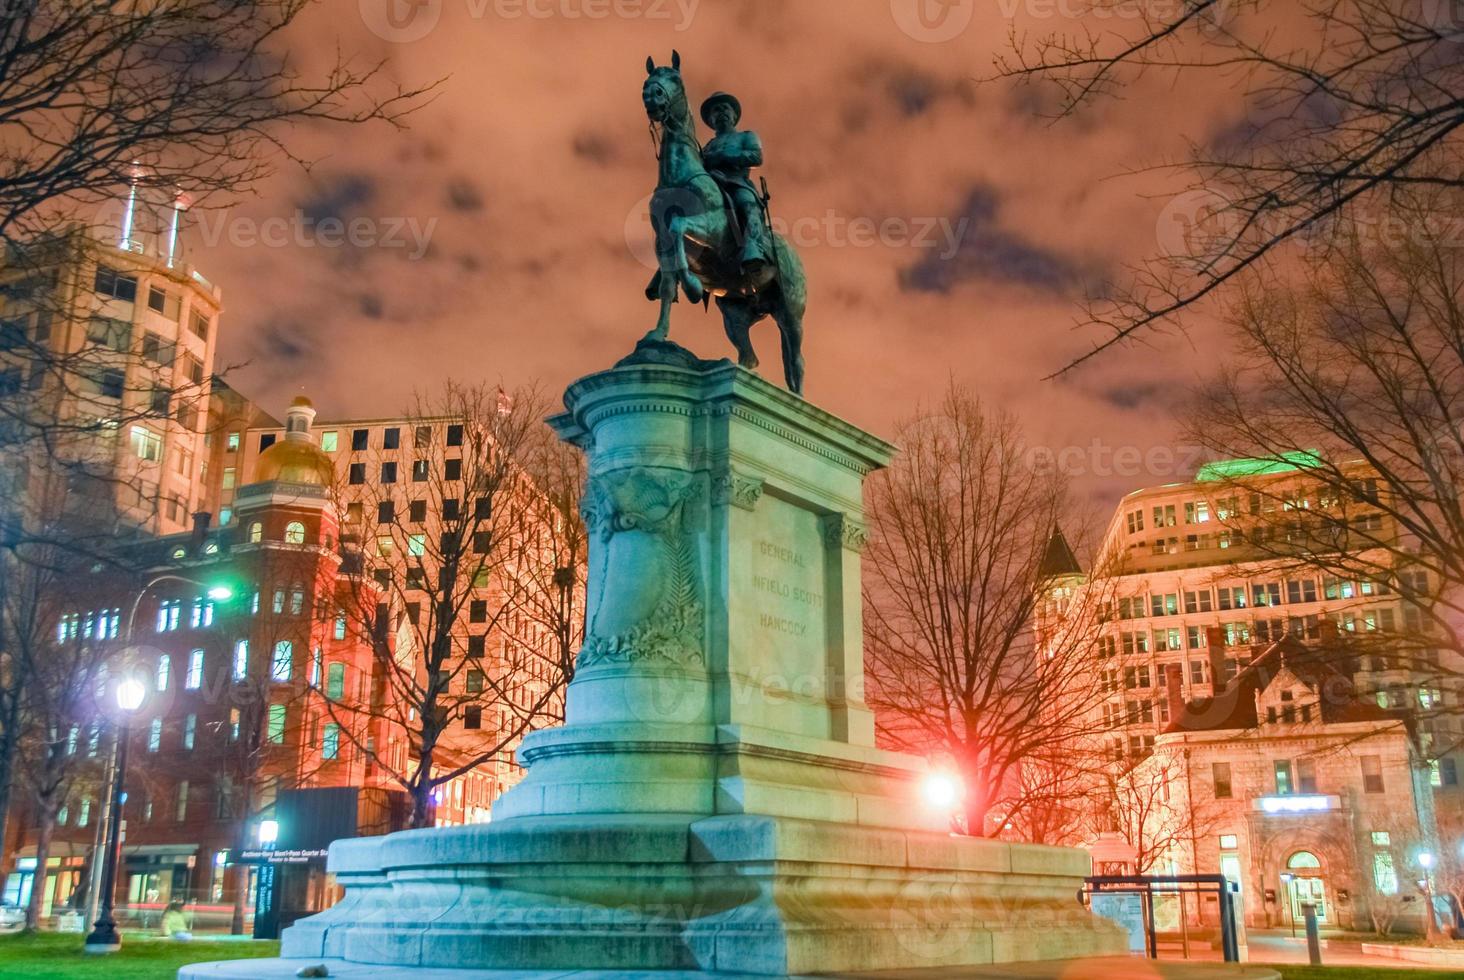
219	593
1430	927
104	937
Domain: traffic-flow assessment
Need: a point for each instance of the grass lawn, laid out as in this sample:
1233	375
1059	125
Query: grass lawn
59	957
1358	973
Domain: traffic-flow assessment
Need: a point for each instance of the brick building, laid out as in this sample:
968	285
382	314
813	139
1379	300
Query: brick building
1291	784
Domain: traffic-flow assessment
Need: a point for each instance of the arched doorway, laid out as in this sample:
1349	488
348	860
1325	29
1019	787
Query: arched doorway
1306	885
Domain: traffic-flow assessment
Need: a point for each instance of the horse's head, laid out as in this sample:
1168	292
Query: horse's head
663	94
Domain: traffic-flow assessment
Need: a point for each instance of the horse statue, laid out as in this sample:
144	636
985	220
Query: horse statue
699	241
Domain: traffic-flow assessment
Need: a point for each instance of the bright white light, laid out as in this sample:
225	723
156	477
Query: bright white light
942	790
130	693
1425	860
1294	804
220	593
269	831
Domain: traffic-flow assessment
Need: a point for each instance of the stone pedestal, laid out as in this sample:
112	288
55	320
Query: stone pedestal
715	800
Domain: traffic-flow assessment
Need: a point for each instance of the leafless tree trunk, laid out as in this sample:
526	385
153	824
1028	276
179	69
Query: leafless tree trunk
1348	102
980	648
459	565
1350	366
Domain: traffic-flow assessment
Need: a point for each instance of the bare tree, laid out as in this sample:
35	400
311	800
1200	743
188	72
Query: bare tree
1350	371
553	586
60	744
1349	102
188	98
1136	801
459	560
958	575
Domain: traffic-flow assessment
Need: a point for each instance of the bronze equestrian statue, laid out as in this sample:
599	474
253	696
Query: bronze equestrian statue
713	238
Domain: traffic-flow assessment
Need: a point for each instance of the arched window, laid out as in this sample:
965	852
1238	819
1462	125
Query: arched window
256	532
294	533
1303	859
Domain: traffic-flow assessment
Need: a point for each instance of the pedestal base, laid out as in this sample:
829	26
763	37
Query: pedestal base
742	894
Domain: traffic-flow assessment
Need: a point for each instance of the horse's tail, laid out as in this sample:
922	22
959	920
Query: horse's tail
792	281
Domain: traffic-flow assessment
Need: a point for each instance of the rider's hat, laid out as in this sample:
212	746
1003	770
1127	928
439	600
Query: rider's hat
716	98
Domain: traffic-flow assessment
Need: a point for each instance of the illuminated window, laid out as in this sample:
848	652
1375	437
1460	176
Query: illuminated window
330	742
165	671
329	441
194	680
279	668
294	533
241	659
276	728
256	532
335	681
190	730
155	734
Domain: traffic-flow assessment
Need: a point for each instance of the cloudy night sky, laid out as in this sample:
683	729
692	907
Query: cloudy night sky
527	179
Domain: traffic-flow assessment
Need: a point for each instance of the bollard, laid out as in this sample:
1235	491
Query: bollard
1313	934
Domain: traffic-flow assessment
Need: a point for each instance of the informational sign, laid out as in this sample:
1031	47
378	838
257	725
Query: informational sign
1127	910
260	855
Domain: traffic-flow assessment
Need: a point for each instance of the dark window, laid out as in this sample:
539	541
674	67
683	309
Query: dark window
160	400
450	544
158	350
385	512
357	474
478	611
12	333
417	511
110	383
416	578
481	542
473	682
1306	776
391	438
157	299
388	472
473	718
452	469
359	439
476	645
1449	772
419	470
414	613
450	509
454	435
1372	773
113	334
118	285
482	508
266	440
1221	773
422	437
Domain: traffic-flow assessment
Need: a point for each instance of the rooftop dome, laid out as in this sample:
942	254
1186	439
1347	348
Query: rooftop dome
296	458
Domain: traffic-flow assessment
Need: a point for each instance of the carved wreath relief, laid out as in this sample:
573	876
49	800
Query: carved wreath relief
645	602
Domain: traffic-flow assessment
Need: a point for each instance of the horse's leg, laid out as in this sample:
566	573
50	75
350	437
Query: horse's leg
790	328
738	317
665	284
689	281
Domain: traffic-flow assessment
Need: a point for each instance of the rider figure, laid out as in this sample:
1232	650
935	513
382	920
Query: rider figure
730	156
